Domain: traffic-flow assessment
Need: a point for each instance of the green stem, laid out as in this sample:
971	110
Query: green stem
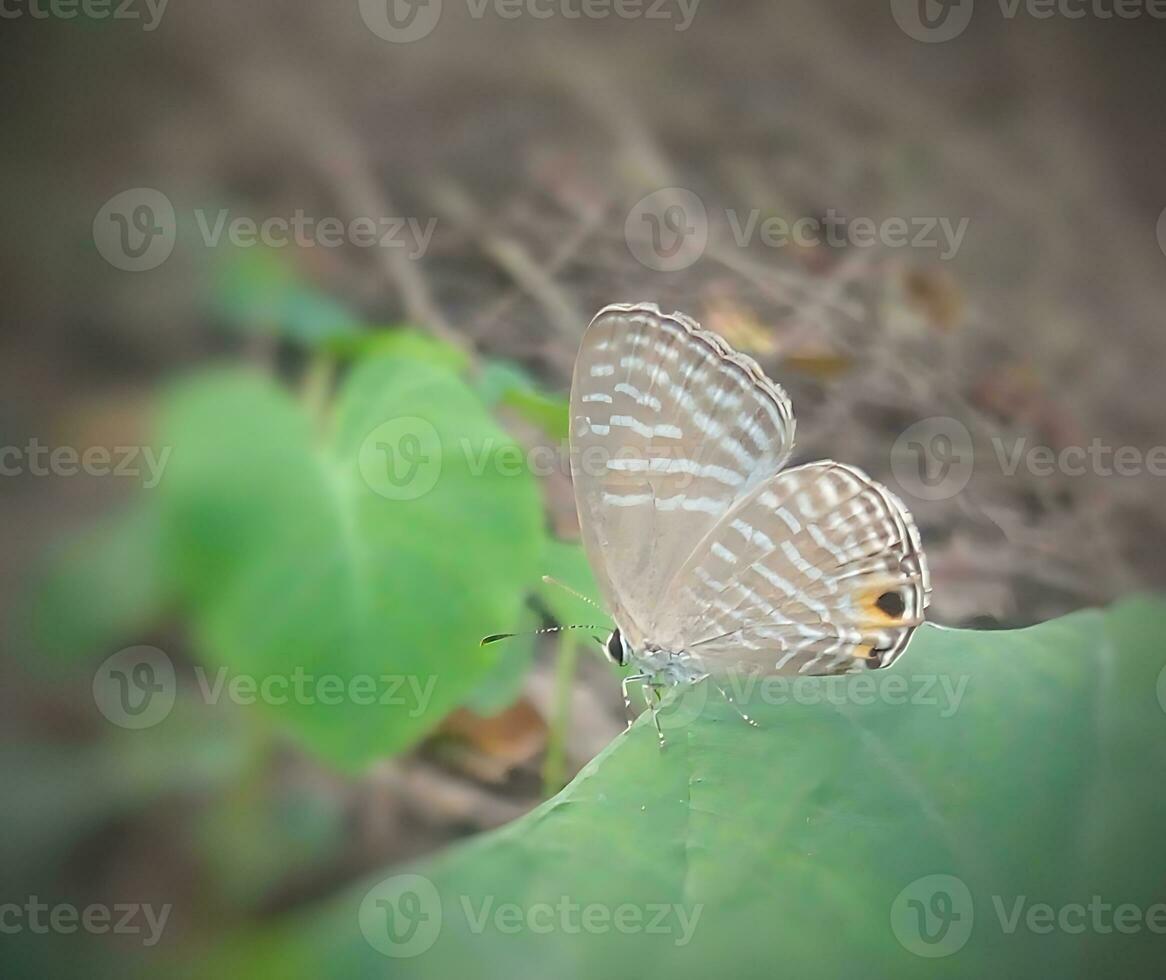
316	386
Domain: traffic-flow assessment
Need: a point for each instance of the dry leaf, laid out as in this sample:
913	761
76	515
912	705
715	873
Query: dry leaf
489	748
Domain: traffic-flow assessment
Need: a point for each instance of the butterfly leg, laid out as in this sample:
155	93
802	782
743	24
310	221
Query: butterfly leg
652	703
728	697
627	700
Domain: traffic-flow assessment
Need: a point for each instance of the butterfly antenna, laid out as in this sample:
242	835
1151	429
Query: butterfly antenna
495	637
575	592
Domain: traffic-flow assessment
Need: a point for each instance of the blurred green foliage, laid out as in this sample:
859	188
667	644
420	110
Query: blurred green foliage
292	549
259	291
99	589
501	383
376	525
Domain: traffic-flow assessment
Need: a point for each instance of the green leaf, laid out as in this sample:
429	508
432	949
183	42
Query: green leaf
401	343
502	686
1025	764
368	559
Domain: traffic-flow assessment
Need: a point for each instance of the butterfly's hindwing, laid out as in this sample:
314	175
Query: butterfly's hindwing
819	571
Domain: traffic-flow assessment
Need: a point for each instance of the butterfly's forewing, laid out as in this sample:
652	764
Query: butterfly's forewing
669	427
819	570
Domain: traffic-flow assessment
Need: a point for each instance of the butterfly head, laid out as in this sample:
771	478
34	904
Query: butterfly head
616	649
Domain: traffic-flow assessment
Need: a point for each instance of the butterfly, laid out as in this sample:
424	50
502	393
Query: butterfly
711	555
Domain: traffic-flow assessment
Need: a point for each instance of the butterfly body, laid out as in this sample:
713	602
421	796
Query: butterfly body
663	668
711	555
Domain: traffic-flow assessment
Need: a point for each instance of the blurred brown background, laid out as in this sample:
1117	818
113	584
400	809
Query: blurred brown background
529	141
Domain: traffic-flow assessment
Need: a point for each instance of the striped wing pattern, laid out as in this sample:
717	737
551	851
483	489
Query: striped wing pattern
700	542
818	571
669	428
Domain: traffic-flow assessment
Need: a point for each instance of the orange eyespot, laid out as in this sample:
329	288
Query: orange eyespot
883	604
